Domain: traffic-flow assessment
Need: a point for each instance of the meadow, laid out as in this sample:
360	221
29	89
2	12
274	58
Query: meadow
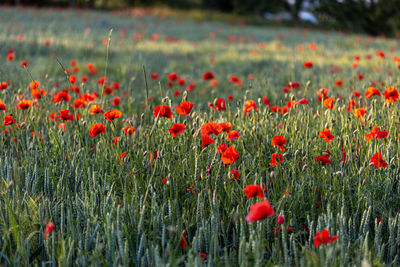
150	140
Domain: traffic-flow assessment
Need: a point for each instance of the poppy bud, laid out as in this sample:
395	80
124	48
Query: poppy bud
142	116
259	101
361	170
33	118
184	122
363	183
304	168
297	152
272	175
236	115
355	132
84	123
19	91
326	125
339	173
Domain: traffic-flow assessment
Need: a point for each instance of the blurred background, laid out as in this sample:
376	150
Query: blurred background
374	17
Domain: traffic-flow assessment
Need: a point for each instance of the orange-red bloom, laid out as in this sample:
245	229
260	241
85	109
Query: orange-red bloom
184	108
226	126
230	155
378	161
208	76
211	127
391	95
206	140
8	120
24	104
220	104
323	160
326	134
359	112
221	148
324	237
177	128
64	116
371	91
249	106
233	135
94	109
162	111
308	64
279	141
49	229
274	158
97	129
113	114
328	102
259	211
253	191
375	133
129	130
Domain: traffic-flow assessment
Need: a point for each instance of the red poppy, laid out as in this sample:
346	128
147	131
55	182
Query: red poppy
278	141
8	120
253	191
302	101
184	240
322	94
378	160
208	76
24	63
2	106
61	96
230	155
226	126
97	129
116	101
371	91
328	102
184	108
206	140
79	103
221	148
308	64
259	211
274	158
391	95
154	76
24	104
280	219
64	116
359	112
113	114
233	135
162	111
326	134
211	128
220	104
249	106
49	229
3	86
324	237
94	109
266	102
129	130
173	76
101	80
177	128
236	174
339	82
375	133
323	160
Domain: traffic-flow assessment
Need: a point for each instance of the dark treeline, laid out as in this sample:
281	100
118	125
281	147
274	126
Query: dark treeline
375	17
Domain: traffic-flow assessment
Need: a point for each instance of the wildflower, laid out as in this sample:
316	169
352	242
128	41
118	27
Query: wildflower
259	211
302	101
378	160
391	95
24	104
206	140
226	126
97	129
274	158
253	191
162	111
116	101
49	229
154	76
64	116
129	130
280	219
61	96
371	91
279	141
183	242
113	114
222	148
211	128
177	128
249	106
24	63
8	120
94	109
233	135
326	134
236	174
230	155
328	102
308	64
324	237
208	76
375	133
220	104
323	160
322	94
173	76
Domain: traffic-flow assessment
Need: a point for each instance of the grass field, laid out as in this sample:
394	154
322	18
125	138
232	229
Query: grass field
80	188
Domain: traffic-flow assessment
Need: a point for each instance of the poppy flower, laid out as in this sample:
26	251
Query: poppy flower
233	135
24	104
116	101
221	148
249	106
113	114
375	133
208	76
162	111
302	101
230	155
154	76
371	91
280	219
61	96
8	120
34	85
236	174
64	116
279	141
183	242
326	134
391	95
173	76
323	160
94	109
220	104
322	94
324	237
266	102
97	129
206	140
253	191
211	128
328	102
259	211
79	103
184	108
226	126
24	63
129	130
49	229
2	106
274	158
339	82
101	80
359	112
177	128
3	86
191	87
378	160
308	64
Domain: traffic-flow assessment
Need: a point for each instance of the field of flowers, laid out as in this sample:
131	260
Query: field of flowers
138	139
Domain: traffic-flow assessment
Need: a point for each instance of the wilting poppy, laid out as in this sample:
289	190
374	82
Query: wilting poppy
230	155
275	159
253	191
249	106
371	91
326	134
259	211
113	114
279	141
391	95
177	128
378	160
184	108
302	101
375	133
324	237
49	229
233	135
97	129
162	111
